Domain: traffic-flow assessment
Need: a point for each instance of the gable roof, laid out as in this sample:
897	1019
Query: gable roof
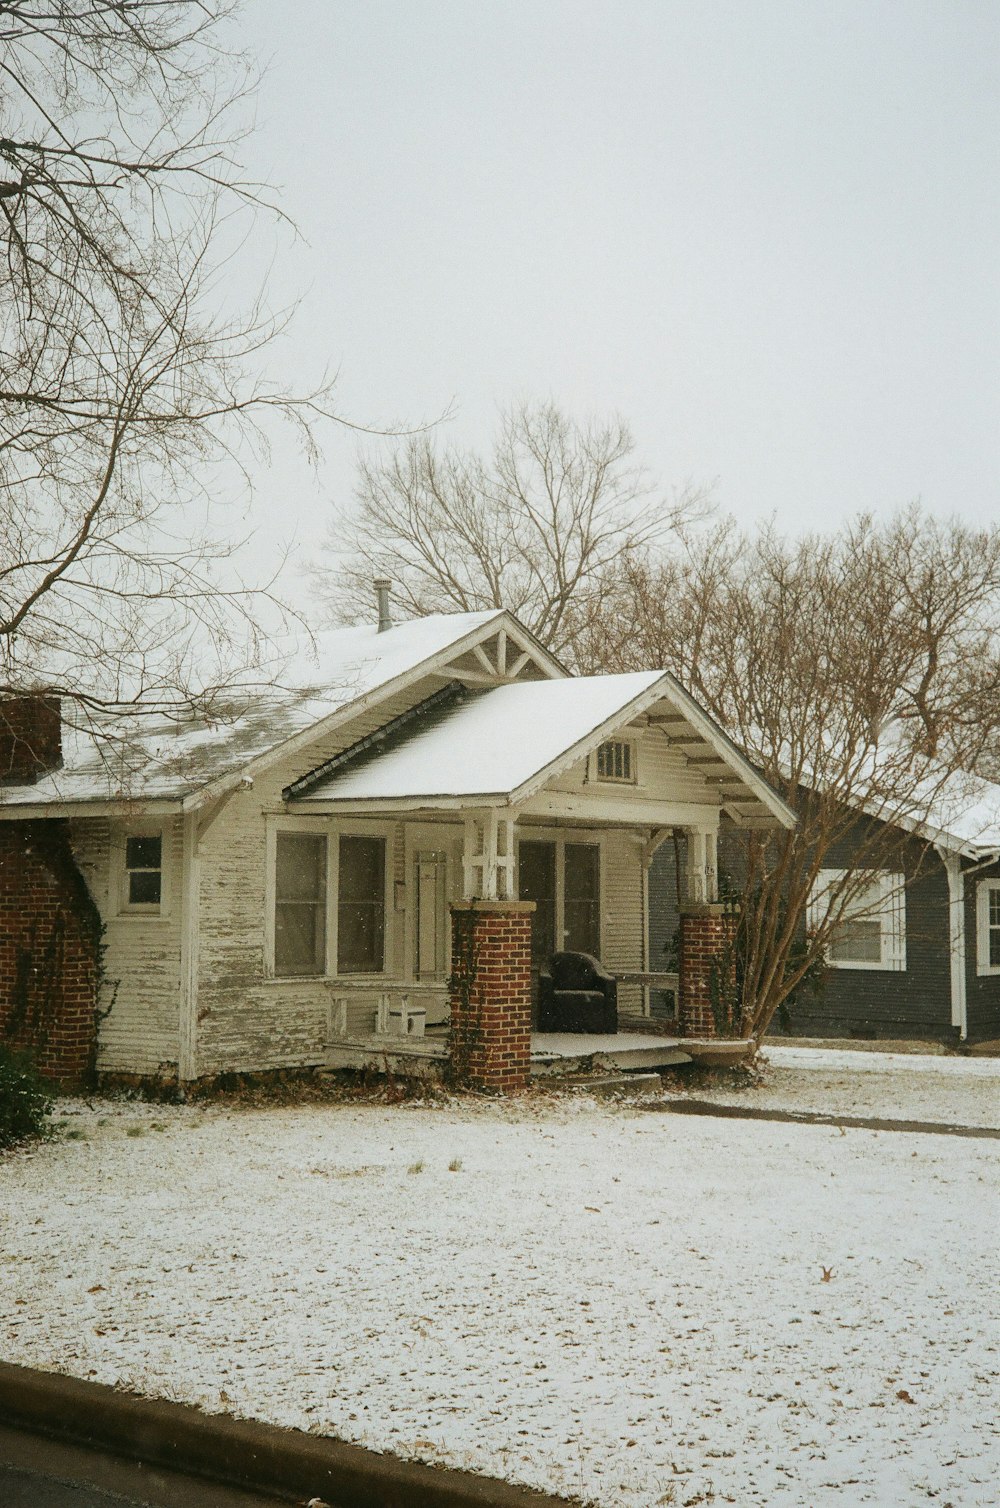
503	744
346	670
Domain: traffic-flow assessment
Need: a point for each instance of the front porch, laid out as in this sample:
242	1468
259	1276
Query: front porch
552	1054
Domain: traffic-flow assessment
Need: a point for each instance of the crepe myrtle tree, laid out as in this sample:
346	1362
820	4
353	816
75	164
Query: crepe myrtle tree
121	383
537	525
859	671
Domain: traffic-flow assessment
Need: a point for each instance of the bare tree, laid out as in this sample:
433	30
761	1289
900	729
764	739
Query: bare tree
539	526
120	384
859	672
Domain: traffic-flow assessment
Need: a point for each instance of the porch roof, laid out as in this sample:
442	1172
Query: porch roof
501	745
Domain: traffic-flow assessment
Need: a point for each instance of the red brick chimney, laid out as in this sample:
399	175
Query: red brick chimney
30	738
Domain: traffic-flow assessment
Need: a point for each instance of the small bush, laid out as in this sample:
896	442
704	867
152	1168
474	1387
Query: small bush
25	1099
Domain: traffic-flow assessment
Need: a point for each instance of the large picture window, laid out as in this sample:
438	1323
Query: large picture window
361	906
300	903
870	932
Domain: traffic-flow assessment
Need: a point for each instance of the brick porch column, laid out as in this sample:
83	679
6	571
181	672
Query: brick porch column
489	1044
708	931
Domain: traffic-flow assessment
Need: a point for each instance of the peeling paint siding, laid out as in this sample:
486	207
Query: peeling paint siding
662	773
622	899
247	1021
141	965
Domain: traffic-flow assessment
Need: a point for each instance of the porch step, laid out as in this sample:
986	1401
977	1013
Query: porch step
618	1083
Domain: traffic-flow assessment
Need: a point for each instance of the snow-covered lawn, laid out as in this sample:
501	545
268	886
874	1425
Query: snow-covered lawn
895	1086
636	1307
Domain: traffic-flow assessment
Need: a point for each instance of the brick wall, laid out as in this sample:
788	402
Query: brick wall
707	962
30	738
490	1036
49	949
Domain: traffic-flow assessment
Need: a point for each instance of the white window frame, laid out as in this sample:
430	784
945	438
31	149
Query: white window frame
560	836
632	778
142	910
983	891
890	913
332	831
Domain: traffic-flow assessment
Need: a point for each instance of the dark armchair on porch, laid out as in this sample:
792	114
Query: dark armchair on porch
577	994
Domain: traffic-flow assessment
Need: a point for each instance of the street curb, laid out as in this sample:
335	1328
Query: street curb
240	1453
819	1118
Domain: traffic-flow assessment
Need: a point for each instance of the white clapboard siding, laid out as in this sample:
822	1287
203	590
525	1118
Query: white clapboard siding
246	1021
622	923
141	958
662	773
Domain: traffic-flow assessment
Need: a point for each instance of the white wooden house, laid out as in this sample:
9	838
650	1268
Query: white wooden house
276	891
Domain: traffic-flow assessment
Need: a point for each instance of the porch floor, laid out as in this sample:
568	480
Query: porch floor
551	1052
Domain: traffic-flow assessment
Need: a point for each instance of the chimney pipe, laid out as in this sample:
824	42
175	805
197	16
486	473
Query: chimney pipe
382	586
30	737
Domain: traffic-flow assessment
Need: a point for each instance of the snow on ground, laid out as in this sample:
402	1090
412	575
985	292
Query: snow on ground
635	1307
896	1086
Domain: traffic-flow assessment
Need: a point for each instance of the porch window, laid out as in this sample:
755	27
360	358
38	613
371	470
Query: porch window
871	933
616	762
988	927
582	898
536	869
144	871
361	906
300	903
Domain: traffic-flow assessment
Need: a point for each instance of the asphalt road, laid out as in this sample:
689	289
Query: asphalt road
39	1473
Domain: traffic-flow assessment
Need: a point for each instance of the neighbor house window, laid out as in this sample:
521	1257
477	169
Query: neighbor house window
144	871
870	932
616	761
300	903
361	906
988	927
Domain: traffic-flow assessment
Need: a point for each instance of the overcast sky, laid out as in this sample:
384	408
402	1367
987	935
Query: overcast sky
766	232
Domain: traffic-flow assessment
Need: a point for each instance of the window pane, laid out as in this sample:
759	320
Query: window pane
582	898
536	871
144	887
142	853
301	867
299	938
995	947
858	942
361	906
994	907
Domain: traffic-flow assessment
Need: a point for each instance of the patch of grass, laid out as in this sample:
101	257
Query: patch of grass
455	1166
158	1126
76	1134
417	1167
136	1131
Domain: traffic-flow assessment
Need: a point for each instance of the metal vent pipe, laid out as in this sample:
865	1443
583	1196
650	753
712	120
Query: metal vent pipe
382	586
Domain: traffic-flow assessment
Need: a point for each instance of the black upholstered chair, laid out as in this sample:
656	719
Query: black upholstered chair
577	994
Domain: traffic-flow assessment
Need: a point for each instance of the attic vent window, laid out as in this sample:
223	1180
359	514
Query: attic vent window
616	761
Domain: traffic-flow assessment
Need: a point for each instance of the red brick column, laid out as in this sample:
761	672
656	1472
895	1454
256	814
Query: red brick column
49	942
708	961
490	1040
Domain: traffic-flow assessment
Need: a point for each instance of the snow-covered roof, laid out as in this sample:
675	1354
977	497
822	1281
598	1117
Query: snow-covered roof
164	760
962	813
502	743
490	744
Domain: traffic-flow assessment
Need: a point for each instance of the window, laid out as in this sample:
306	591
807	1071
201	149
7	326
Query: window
871	932
616	761
144	871
988	927
361	906
582	898
300	903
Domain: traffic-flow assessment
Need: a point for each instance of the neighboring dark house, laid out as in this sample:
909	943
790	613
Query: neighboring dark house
921	959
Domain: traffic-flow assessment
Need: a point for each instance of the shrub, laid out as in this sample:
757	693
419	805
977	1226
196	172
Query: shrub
25	1099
